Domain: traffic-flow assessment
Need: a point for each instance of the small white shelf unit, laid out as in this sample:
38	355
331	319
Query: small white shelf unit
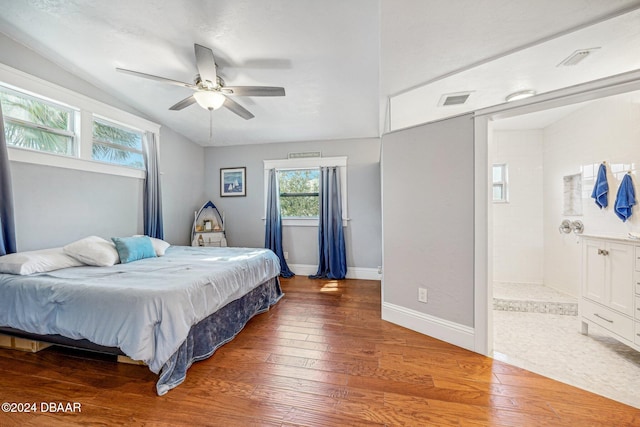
208	227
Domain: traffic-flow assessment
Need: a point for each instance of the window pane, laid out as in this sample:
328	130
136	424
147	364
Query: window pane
117	135
35	111
498	193
299	192
36	139
109	154
303	206
497	173
117	145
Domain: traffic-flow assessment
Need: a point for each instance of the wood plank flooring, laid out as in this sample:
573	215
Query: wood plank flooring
320	357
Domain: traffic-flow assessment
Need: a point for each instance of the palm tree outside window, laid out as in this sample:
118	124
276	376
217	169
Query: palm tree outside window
39	124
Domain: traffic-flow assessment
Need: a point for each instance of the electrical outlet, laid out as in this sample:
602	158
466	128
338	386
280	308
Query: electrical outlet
422	294
286	255
379	269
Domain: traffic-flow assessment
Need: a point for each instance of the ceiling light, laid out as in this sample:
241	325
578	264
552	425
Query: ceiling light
209	100
520	95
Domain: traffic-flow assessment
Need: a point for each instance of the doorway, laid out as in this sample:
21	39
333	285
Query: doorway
535	269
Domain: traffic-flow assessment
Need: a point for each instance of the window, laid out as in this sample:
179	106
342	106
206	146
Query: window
116	144
299	182
500	194
37	124
50	125
299	195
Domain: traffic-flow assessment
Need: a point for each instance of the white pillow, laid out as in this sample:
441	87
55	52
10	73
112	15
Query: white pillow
93	250
159	245
40	261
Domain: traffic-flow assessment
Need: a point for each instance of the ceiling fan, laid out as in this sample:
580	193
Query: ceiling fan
211	92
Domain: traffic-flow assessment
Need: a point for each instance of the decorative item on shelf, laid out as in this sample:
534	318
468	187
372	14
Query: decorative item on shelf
200	240
208	225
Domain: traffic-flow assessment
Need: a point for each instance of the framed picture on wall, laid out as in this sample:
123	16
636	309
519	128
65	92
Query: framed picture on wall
233	182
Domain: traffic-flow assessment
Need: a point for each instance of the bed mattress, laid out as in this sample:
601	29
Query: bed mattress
146	308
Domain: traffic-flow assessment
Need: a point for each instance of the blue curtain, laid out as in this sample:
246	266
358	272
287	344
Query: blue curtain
333	258
7	224
152	204
273	226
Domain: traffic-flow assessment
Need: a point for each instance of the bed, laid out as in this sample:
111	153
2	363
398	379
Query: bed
166	311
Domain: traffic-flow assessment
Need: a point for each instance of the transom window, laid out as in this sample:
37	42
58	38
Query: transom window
299	195
500	194
38	124
116	144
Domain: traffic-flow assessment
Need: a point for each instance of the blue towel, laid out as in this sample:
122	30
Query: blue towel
625	199
601	189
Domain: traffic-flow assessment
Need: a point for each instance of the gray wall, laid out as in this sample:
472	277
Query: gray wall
244	223
428	211
182	169
55	206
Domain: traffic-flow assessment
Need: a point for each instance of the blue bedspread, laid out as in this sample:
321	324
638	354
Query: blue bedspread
146	308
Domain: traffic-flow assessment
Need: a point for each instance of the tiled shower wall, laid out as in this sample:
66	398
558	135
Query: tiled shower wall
528	247
517	231
604	130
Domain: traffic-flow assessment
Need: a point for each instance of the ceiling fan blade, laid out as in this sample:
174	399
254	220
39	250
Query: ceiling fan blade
156	78
206	64
238	109
253	90
183	104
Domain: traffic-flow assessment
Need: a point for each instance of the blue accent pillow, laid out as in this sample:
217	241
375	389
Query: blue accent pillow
134	248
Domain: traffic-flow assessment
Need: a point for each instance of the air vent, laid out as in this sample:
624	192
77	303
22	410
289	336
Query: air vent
451	99
578	56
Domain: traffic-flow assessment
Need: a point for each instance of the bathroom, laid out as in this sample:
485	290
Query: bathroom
550	156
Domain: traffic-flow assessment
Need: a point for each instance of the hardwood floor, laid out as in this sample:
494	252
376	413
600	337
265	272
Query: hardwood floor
320	357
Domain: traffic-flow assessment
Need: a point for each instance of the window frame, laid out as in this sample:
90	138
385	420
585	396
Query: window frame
87	107
308	163
504	183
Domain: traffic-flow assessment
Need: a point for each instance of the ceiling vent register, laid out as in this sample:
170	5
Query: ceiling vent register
452	99
578	56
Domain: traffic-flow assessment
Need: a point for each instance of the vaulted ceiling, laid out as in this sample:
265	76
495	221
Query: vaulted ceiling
338	60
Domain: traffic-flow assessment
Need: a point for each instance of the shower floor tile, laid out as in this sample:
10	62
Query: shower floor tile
530	292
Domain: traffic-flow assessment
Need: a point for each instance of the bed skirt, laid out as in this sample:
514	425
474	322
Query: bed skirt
203	340
216	330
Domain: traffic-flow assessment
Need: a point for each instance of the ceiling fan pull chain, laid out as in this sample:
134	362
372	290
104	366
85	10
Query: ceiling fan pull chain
210	124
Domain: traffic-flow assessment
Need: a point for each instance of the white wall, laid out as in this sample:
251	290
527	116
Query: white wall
517	225
605	130
244	215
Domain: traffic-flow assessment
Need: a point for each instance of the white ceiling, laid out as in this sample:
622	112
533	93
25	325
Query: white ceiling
337	59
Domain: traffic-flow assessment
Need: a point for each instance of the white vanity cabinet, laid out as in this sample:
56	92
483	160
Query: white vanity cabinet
610	290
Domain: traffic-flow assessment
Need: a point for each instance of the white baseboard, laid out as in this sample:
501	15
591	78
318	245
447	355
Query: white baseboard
361	273
445	330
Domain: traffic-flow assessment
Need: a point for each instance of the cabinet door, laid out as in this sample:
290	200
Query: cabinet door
593	271
620	260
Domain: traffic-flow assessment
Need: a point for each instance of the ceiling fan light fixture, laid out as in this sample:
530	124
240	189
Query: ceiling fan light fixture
520	95
209	100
